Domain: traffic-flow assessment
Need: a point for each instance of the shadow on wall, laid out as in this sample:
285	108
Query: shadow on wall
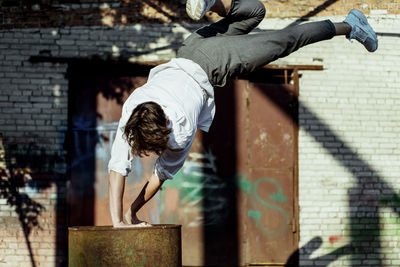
313	245
50	13
366	198
139	40
20	169
27	209
314	12
221	244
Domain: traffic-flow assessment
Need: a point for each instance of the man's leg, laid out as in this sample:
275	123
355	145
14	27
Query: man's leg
228	56
196	9
241	18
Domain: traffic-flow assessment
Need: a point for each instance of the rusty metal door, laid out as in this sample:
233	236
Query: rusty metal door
270	188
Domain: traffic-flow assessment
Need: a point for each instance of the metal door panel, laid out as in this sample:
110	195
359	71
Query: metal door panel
271	131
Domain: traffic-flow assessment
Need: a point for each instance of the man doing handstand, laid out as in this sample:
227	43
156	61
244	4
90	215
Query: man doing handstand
163	115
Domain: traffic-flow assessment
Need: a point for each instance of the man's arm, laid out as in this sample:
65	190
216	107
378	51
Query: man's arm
116	194
119	167
148	191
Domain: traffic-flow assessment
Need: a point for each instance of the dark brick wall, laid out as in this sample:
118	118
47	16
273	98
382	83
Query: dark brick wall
34	14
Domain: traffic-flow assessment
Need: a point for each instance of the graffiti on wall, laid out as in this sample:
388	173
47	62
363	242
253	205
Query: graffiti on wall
198	191
198	181
95	143
88	142
268	203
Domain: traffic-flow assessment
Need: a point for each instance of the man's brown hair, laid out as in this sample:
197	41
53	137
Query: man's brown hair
146	130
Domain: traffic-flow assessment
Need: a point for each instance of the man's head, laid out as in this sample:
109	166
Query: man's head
146	130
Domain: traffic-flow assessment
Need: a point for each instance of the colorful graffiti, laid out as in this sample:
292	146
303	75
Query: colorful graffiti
183	197
196	182
252	193
83	138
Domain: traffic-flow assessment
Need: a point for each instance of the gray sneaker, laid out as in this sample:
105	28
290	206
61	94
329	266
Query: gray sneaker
197	8
361	30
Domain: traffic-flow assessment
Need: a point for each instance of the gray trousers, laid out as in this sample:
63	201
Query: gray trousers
225	49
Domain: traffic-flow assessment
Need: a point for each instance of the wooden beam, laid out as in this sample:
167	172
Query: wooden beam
292	67
46	58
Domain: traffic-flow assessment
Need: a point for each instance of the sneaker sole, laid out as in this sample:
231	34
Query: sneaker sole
197	11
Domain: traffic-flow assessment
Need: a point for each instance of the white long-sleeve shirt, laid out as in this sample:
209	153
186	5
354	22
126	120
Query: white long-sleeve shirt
182	89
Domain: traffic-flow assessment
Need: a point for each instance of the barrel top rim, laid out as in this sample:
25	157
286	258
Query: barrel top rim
111	228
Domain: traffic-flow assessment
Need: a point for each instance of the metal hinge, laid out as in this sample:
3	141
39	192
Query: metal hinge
294	225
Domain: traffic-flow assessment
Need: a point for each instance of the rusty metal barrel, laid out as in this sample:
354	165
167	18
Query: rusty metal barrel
158	245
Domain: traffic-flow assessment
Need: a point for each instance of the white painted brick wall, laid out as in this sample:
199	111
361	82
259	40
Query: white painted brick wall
343	188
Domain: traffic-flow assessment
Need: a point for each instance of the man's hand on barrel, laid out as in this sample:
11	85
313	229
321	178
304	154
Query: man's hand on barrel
133	220
116	190
128	225
147	192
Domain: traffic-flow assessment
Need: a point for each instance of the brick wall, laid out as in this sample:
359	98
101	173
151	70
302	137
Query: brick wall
300	8
90	13
348	139
33	14
348	149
